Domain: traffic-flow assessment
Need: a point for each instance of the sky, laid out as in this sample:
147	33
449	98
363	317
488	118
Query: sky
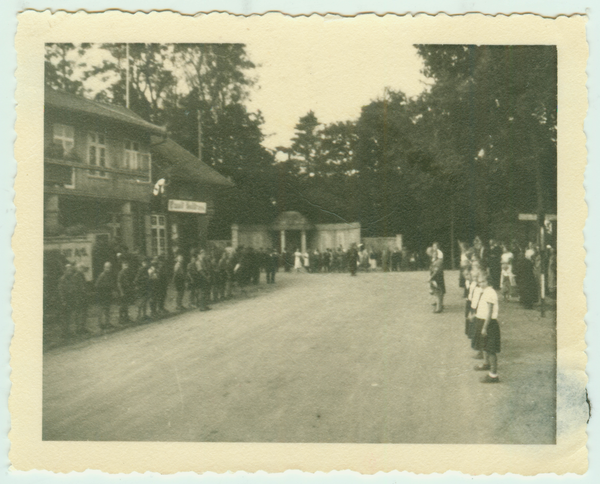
335	84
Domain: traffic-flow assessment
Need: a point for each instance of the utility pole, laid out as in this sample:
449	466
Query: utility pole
199	135
452	263
541	218
127	76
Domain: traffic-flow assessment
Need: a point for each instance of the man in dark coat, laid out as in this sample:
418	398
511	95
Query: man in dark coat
154	288
179	278
71	290
126	287
494	264
352	259
142	282
104	289
164	277
204	280
272	264
526	281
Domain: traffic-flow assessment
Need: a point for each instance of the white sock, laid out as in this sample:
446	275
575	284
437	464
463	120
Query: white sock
493	375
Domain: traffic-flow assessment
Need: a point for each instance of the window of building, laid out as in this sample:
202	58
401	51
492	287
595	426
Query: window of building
137	161
97	154
158	227
64	137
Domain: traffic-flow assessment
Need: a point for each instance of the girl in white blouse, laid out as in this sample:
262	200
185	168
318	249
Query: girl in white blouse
487	330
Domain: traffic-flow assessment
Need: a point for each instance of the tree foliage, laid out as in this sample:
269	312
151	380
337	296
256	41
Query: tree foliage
62	60
474	149
151	79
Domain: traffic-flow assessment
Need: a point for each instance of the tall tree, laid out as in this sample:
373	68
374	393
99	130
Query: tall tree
338	146
217	74
306	145
152	82
62	61
491	118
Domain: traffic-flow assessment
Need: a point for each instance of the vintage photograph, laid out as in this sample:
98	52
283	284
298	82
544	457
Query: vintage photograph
322	243
383	274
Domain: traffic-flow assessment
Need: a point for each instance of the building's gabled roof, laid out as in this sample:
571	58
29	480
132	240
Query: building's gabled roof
185	166
71	102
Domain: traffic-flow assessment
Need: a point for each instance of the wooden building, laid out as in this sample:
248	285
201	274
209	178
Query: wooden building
102	163
183	199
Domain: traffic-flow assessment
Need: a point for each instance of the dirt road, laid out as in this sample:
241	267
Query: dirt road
314	358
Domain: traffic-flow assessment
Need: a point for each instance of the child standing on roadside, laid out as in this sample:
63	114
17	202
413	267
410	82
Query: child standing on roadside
487	330
474	296
466	278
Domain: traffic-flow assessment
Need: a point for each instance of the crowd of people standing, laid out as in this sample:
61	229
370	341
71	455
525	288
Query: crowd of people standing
342	260
485	272
139	286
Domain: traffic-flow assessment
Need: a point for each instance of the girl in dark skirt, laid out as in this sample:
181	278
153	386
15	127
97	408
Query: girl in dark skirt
468	285
474	297
487	331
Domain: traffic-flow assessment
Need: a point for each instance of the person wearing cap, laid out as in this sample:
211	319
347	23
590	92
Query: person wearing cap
142	282
104	290
179	278
153	287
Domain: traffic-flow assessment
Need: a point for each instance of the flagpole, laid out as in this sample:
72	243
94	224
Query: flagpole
127	76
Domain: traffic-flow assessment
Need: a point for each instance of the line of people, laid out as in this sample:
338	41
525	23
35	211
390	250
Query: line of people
514	271
486	272
481	305
481	319
207	277
315	261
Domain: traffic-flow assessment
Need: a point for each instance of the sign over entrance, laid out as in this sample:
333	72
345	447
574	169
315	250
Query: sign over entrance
187	206
533	217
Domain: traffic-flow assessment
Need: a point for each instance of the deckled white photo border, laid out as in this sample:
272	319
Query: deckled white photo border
570	453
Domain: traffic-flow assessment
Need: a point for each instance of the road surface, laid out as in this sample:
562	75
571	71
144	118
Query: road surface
313	358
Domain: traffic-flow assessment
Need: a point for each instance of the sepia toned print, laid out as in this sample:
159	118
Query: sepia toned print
383	268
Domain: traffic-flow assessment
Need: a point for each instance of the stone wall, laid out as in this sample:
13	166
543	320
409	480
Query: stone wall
380	243
324	236
256	236
331	236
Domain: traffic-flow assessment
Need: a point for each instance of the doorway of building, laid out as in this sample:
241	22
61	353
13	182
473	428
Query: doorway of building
293	240
188	232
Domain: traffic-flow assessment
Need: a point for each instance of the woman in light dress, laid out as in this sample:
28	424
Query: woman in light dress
298	260
507	278
306	257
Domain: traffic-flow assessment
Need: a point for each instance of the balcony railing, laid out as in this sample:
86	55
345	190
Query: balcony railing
61	172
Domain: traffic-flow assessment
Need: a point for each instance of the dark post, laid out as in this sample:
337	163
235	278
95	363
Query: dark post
452	261
199	135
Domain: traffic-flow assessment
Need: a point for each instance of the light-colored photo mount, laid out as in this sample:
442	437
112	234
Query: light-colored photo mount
318	370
